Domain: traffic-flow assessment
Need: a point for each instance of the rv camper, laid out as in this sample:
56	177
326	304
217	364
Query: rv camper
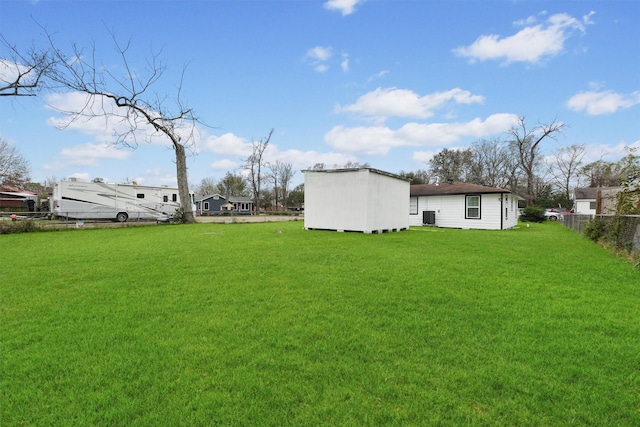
99	200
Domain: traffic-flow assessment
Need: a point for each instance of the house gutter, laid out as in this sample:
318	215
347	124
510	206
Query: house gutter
502	211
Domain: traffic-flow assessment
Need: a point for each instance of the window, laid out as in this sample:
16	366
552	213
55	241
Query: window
472	207
206	206
592	205
174	197
506	209
165	199
140	195
413	206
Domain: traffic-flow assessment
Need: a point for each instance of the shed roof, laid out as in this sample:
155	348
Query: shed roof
453	189
343	170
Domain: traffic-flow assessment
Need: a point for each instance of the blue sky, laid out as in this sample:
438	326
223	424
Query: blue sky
387	82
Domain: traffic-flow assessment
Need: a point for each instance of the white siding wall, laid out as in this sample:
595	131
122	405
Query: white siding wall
583	207
358	200
451	211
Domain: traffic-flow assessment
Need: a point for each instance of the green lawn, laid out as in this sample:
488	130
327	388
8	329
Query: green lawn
237	324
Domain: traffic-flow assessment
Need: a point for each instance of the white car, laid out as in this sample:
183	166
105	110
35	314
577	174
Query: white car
555	214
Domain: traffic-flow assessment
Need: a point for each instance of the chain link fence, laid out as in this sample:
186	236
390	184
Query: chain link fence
623	231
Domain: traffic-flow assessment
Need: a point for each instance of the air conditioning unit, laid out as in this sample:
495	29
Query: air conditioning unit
428	217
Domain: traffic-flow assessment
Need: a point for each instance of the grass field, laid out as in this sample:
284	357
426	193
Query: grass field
268	324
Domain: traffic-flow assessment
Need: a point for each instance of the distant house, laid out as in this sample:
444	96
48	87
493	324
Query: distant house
15	199
365	200
461	205
217	204
594	200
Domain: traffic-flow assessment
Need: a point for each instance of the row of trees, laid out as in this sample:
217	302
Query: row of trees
274	191
515	162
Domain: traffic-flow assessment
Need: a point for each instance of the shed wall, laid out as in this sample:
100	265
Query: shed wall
358	200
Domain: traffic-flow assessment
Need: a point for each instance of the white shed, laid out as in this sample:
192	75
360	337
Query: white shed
461	205
364	199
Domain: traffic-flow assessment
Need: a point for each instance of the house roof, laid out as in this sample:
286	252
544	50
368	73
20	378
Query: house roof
8	189
589	192
453	189
241	199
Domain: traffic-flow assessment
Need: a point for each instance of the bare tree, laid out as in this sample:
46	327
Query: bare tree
526	144
23	74
206	187
127	105
254	164
565	166
493	163
281	176
14	168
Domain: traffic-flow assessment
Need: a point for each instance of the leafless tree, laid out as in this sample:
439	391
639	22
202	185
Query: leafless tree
565	166
493	163
254	164
281	174
206	187
526	144
14	168
127	105
23	74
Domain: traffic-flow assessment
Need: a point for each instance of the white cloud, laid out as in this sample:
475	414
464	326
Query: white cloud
378	75
602	102
346	7
319	57
379	140
226	145
345	62
608	152
226	165
92	154
102	120
393	102
10	71
423	156
531	44
234	149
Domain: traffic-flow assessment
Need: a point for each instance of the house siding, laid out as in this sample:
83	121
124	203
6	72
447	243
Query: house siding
497	211
211	205
583	207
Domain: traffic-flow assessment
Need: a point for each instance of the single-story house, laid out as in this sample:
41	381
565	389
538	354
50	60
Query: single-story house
594	200
461	205
217	204
12	198
365	200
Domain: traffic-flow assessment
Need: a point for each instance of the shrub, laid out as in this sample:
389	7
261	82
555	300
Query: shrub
10	227
595	230
178	216
532	214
